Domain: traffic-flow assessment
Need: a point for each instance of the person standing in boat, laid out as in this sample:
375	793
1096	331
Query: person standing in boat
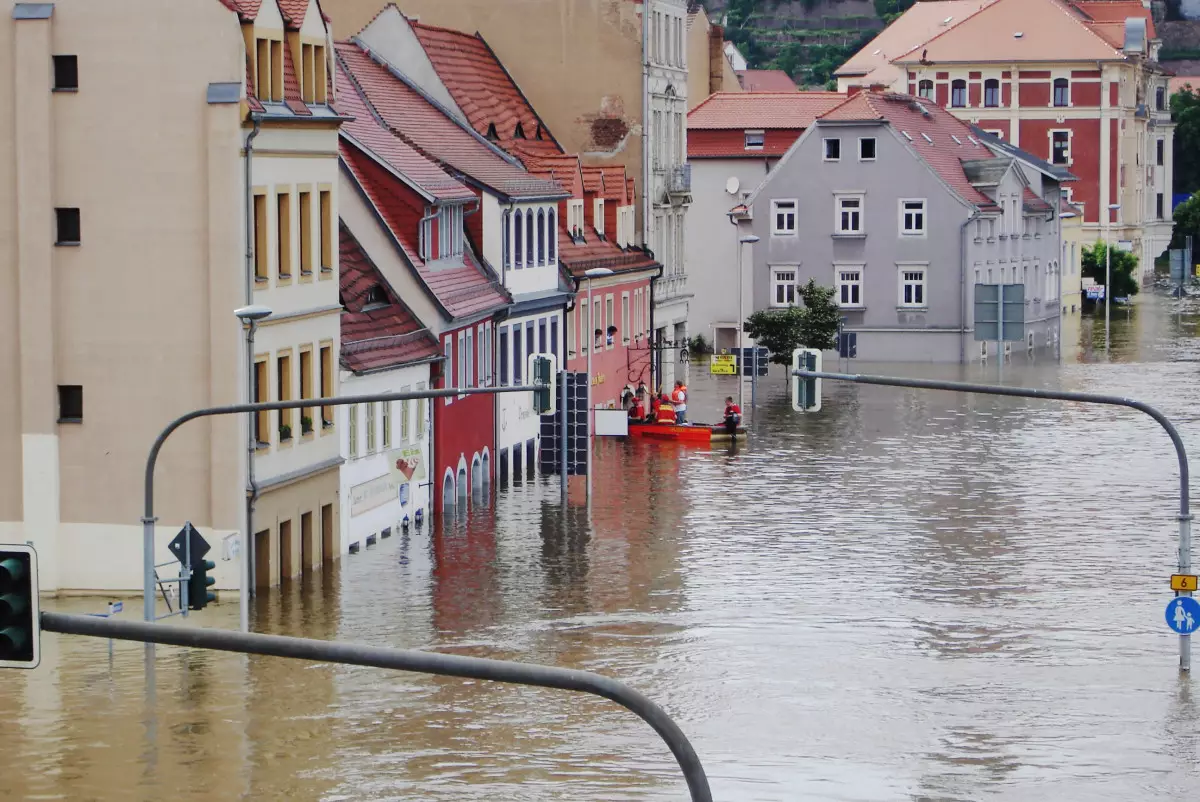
666	412
637	411
733	415
679	400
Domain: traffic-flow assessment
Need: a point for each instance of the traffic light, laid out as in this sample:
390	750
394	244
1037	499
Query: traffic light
20	623
542	370
198	586
806	393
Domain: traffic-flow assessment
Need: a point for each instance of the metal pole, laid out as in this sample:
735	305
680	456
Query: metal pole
1000	330
588	417
148	518
741	360
754	376
1185	514
564	436
1107	275
245	553
447	665
186	574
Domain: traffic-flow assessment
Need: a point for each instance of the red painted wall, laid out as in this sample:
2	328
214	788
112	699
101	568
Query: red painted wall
613	368
474	223
1085	93
997	125
1085	157
463	428
1034	94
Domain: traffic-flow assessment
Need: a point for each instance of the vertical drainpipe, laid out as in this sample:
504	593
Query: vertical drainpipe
646	126
251	440
962	282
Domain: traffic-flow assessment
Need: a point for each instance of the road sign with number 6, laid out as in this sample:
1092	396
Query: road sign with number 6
1183	582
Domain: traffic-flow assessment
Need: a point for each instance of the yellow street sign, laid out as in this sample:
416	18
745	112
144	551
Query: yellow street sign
723	365
1183	582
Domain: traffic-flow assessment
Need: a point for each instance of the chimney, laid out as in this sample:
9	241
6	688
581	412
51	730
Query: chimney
853	90
878	87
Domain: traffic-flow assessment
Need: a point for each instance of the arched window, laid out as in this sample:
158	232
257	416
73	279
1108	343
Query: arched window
506	259
541	237
448	491
552	243
463	490
958	93
925	89
1061	92
991	93
518	241
529	241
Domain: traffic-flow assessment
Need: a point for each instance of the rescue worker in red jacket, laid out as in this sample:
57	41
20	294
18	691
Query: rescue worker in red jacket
666	412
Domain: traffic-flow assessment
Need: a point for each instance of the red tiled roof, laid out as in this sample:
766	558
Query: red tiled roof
615	187
761	110
384	336
593	179
766	81
293	12
1117	11
432	132
580	258
928	129
480	85
369	133
561	168
246	9
1033	203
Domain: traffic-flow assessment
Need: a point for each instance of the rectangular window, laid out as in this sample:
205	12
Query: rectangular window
866	149
326	200
517	362
991	93
262	76
925	89
503	357
542	334
958	93
572	329
327	383
284	233
448	368
306	389
66	73
405	427
470	359
70	403
529	343
462	360
849	214
1160	151
308	87
260	238
1158	206
833	149
1062	92
783	217
610	317
385	409
598	323
370	425
262	418
421	413
306	267
352	427
912	217
625	318
912	287
68	229
554	336
849	286
783	288
1060	147
755	140
276	71
320	77
283	375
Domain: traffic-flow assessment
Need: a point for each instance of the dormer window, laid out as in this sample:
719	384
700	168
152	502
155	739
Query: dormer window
575	218
491	134
519	133
598	215
375	297
312	73
268	75
755	140
449	239
538	134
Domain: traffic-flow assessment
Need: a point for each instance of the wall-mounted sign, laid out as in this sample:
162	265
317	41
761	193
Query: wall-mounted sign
404	491
407	464
375	493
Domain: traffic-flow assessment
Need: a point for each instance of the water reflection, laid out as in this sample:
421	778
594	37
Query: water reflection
906	596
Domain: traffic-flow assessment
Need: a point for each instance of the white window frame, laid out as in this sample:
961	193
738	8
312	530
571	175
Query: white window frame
598	215
875	142
839	282
776	231
405	423
352	430
1070	136
610	313
626	331
902	282
905	231
462	360
838	198
996	132
777	282
448	366
760	135
825	148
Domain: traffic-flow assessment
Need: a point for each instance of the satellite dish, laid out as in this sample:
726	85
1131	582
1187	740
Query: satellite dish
731	186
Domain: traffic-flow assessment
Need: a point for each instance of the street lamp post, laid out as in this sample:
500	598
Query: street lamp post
1112	207
749	239
591	275
249	315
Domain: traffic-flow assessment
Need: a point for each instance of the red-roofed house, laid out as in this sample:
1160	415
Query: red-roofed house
899	207
1074	82
384	349
734	138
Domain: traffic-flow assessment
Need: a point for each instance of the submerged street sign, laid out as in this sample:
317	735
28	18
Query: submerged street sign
1183	582
1183	614
999	312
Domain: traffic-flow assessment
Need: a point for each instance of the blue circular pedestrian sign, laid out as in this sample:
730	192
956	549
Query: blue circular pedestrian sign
1183	615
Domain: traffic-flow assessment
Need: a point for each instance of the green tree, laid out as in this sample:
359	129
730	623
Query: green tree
1124	270
813	325
1185	111
1187	221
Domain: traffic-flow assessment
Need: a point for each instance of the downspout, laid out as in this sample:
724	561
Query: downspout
646	127
962	286
512	204
251	440
421	232
655	355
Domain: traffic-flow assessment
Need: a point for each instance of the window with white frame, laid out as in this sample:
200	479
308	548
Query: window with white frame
598	214
849	209
783	287
1060	147
552	235
575	217
783	217
912	286
625	329
450	232
518	239
833	149
925	89
755	140
462	359
470	360
506	240
610	317
912	216
866	148
849	285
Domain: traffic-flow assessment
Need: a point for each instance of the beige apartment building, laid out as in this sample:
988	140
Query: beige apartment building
125	251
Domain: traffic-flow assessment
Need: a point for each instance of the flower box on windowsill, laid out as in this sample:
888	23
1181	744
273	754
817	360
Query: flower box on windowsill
849	235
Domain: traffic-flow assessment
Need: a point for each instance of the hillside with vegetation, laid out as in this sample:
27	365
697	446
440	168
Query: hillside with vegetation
807	39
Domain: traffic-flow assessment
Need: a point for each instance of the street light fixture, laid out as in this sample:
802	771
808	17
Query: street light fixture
250	316
590	275
748	239
1112	207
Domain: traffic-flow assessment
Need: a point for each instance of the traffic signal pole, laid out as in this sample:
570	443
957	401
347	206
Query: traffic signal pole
1185	514
447	665
149	519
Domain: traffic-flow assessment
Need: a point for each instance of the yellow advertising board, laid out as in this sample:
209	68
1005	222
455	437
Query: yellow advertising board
723	365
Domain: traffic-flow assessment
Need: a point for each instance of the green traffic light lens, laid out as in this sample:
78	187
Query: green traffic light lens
13	641
12	571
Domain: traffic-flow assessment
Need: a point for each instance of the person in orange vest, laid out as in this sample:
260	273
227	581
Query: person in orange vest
666	412
637	412
679	400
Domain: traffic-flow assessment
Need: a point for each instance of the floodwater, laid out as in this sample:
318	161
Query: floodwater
907	596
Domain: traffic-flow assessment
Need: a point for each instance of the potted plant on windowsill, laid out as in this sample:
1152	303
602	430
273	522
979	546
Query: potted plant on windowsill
306	425
285	432
327	424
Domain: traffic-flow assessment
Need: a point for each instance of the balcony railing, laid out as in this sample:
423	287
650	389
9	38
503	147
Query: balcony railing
669	287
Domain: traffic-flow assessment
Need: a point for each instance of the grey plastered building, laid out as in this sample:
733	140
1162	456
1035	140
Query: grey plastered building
902	208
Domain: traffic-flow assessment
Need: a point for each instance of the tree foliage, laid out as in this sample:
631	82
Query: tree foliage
1187	221
813	325
1124	270
1185	111
888	10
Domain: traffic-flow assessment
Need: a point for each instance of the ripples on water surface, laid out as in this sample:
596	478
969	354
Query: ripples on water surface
910	595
